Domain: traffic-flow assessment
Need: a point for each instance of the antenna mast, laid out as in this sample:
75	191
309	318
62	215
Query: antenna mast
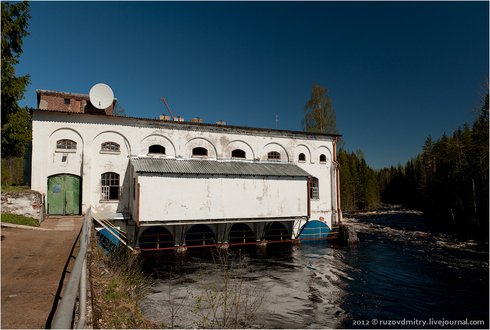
164	99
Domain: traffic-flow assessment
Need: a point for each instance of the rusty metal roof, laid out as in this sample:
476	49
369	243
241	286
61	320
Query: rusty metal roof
210	167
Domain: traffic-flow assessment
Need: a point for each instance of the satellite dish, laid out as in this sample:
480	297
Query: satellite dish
101	96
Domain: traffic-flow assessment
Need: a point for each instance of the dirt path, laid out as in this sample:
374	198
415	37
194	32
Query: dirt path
32	266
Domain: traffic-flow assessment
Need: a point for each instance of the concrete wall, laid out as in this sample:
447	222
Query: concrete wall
29	204
136	135
204	197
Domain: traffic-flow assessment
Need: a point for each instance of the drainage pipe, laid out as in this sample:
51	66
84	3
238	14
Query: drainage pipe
337	172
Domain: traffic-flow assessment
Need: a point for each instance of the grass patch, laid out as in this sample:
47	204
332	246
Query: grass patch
16	188
117	286
19	220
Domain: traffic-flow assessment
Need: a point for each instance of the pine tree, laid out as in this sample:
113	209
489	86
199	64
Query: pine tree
16	130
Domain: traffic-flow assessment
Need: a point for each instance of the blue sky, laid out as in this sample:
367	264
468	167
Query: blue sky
396	72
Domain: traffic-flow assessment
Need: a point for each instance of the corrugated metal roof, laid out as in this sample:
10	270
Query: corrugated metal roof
191	166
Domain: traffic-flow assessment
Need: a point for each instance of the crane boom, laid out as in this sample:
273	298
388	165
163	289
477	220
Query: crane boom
164	99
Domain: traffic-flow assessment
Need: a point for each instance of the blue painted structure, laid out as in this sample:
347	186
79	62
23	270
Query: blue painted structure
107	241
313	230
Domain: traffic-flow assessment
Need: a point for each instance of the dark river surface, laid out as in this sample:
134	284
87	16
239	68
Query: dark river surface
398	276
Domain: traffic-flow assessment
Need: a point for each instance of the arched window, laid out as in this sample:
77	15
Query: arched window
156	149
314	191
110	146
110	186
238	153
323	158
66	144
274	155
199	152
302	157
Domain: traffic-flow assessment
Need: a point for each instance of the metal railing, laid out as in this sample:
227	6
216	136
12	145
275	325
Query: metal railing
77	284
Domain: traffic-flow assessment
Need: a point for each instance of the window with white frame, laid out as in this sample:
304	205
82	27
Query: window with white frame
314	188
110	147
66	144
302	157
323	158
110	186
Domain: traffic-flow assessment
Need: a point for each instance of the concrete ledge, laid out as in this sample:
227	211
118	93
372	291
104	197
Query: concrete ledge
12	225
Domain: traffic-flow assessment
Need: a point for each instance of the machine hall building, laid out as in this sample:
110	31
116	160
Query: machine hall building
169	184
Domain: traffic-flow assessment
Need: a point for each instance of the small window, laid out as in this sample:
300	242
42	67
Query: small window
314	192
110	186
238	153
66	144
156	149
302	157
199	152
274	155
67	101
323	158
134	188
110	146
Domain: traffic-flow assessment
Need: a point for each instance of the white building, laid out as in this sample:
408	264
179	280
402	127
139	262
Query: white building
170	183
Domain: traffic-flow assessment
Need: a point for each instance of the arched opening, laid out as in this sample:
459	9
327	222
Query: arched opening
314	188
156	149
156	238
66	144
277	232
240	233
238	153
314	229
64	194
302	157
110	146
199	235
323	158
274	155
110	188
199	152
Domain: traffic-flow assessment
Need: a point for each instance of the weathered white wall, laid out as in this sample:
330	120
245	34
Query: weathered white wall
136	135
204	197
29	204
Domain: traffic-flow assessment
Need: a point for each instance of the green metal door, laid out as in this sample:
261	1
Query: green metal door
63	194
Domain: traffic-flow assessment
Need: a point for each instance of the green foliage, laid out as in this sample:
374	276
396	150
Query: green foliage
16	134
448	179
319	112
12	171
15	18
358	183
19	220
16	128
16	188
118	285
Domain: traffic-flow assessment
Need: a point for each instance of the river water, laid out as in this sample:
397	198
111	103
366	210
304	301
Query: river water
398	276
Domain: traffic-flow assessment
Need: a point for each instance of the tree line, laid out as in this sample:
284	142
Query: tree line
447	180
16	120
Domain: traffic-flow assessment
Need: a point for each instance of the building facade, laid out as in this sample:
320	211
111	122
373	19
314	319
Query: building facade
177	183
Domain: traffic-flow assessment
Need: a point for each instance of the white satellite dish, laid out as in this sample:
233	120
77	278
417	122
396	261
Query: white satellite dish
101	96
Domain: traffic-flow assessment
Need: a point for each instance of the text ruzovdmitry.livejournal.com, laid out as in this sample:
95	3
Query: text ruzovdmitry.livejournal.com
431	322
